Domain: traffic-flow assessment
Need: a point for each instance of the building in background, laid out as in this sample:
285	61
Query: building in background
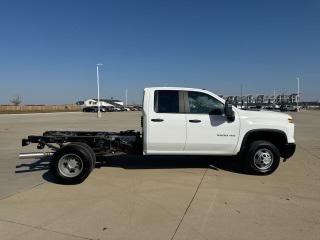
93	102
246	100
263	100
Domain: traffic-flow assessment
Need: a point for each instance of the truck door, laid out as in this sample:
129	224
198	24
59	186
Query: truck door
166	122
208	130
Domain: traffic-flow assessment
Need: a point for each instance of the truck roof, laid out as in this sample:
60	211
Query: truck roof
174	88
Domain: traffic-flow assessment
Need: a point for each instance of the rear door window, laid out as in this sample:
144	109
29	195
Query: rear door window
166	101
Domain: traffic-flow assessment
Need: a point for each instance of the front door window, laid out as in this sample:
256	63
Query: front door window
202	103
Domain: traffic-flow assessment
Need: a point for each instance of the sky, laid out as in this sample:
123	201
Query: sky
49	49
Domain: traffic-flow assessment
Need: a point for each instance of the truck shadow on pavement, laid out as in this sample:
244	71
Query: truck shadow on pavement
168	162
129	162
34	166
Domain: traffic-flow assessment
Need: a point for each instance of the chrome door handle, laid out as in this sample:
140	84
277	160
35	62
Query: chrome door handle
194	120
157	120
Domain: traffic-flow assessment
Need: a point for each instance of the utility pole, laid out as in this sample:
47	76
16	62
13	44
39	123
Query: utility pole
98	85
126	97
298	94
241	88
274	99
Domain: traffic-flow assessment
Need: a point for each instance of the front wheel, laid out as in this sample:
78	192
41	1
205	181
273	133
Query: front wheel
73	163
262	158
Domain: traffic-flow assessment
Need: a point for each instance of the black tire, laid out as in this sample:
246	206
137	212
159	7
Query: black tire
262	158
90	150
82	156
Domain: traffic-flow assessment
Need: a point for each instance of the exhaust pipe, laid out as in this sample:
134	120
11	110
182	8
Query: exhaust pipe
35	155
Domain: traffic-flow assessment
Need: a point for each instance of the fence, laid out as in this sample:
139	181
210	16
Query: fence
40	108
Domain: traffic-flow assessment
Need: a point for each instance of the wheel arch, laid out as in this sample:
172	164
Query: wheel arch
275	136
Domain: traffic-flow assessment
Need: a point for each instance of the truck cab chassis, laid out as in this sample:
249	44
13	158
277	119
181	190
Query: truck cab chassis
176	121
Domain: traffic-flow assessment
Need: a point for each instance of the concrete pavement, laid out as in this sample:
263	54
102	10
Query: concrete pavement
158	198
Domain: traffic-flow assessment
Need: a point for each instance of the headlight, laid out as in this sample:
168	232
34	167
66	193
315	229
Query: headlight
290	119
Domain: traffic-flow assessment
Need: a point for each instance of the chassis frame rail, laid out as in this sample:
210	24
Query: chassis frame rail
101	142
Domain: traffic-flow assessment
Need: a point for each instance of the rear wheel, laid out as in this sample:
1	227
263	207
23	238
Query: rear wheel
90	150
73	163
262	158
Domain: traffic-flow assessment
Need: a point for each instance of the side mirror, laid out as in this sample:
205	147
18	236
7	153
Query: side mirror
216	111
229	112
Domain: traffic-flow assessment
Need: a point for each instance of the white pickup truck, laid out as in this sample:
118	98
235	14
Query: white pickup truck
176	121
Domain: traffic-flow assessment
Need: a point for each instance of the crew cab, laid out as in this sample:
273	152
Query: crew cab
176	121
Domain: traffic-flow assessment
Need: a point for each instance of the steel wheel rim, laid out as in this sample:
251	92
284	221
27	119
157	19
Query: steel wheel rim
70	165
263	159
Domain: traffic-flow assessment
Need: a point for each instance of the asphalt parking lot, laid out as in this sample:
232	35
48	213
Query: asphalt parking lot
158	198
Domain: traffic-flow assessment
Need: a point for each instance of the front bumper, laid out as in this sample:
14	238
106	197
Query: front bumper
288	150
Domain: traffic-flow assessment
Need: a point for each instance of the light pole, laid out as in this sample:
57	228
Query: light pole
298	94
126	97
98	84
